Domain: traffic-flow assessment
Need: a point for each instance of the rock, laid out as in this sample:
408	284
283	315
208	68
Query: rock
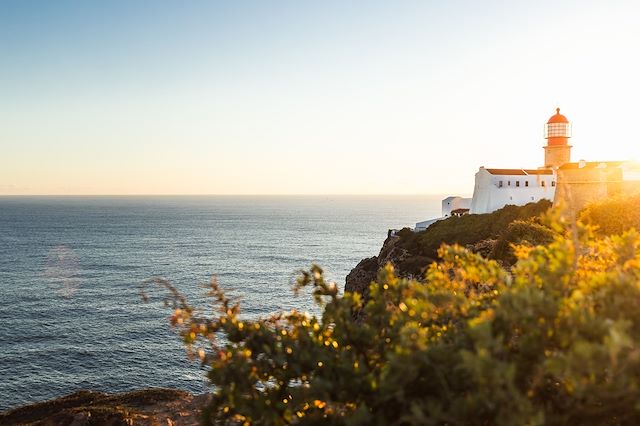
143	407
484	247
366	271
391	253
362	275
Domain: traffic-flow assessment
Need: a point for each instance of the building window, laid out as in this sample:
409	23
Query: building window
508	183
500	184
526	183
553	183
543	183
517	183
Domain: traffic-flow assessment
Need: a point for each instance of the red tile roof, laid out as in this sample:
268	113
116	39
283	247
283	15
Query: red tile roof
520	172
506	171
459	211
539	171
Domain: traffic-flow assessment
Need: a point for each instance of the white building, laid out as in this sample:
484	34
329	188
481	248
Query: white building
451	206
455	206
496	188
421	226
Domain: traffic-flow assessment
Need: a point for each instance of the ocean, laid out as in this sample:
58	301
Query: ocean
71	268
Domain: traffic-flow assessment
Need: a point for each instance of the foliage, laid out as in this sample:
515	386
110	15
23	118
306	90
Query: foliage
463	230
555	341
520	233
613	215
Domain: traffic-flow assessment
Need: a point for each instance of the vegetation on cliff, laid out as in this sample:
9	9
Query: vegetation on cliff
613	215
422	247
519	232
490	235
556	340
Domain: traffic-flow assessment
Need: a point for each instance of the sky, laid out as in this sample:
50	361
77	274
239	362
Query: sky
302	97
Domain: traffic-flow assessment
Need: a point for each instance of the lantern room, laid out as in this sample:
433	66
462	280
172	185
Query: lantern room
557	131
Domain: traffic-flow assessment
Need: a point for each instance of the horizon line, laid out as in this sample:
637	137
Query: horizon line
227	195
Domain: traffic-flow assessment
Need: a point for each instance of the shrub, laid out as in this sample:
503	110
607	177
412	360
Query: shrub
520	233
613	215
467	229
556	341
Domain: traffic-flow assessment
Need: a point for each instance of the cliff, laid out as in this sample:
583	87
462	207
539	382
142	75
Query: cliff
366	270
489	235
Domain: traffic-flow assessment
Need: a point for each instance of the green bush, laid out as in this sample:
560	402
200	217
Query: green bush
613	215
467	229
520	233
556	341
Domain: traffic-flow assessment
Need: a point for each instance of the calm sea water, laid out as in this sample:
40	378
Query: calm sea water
71	315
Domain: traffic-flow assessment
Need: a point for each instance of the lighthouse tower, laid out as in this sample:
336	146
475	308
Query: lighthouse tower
557	132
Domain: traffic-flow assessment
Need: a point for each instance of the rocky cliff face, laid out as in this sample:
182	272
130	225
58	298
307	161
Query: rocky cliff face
411	252
366	271
84	408
406	263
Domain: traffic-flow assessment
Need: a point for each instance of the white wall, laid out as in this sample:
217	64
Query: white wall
489	196
421	226
452	203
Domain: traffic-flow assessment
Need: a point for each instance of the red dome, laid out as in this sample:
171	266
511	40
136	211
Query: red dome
558	118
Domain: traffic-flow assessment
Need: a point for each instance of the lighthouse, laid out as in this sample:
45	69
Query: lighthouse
557	132
574	185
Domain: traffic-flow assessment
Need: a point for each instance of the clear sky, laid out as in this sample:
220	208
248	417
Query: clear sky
280	97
